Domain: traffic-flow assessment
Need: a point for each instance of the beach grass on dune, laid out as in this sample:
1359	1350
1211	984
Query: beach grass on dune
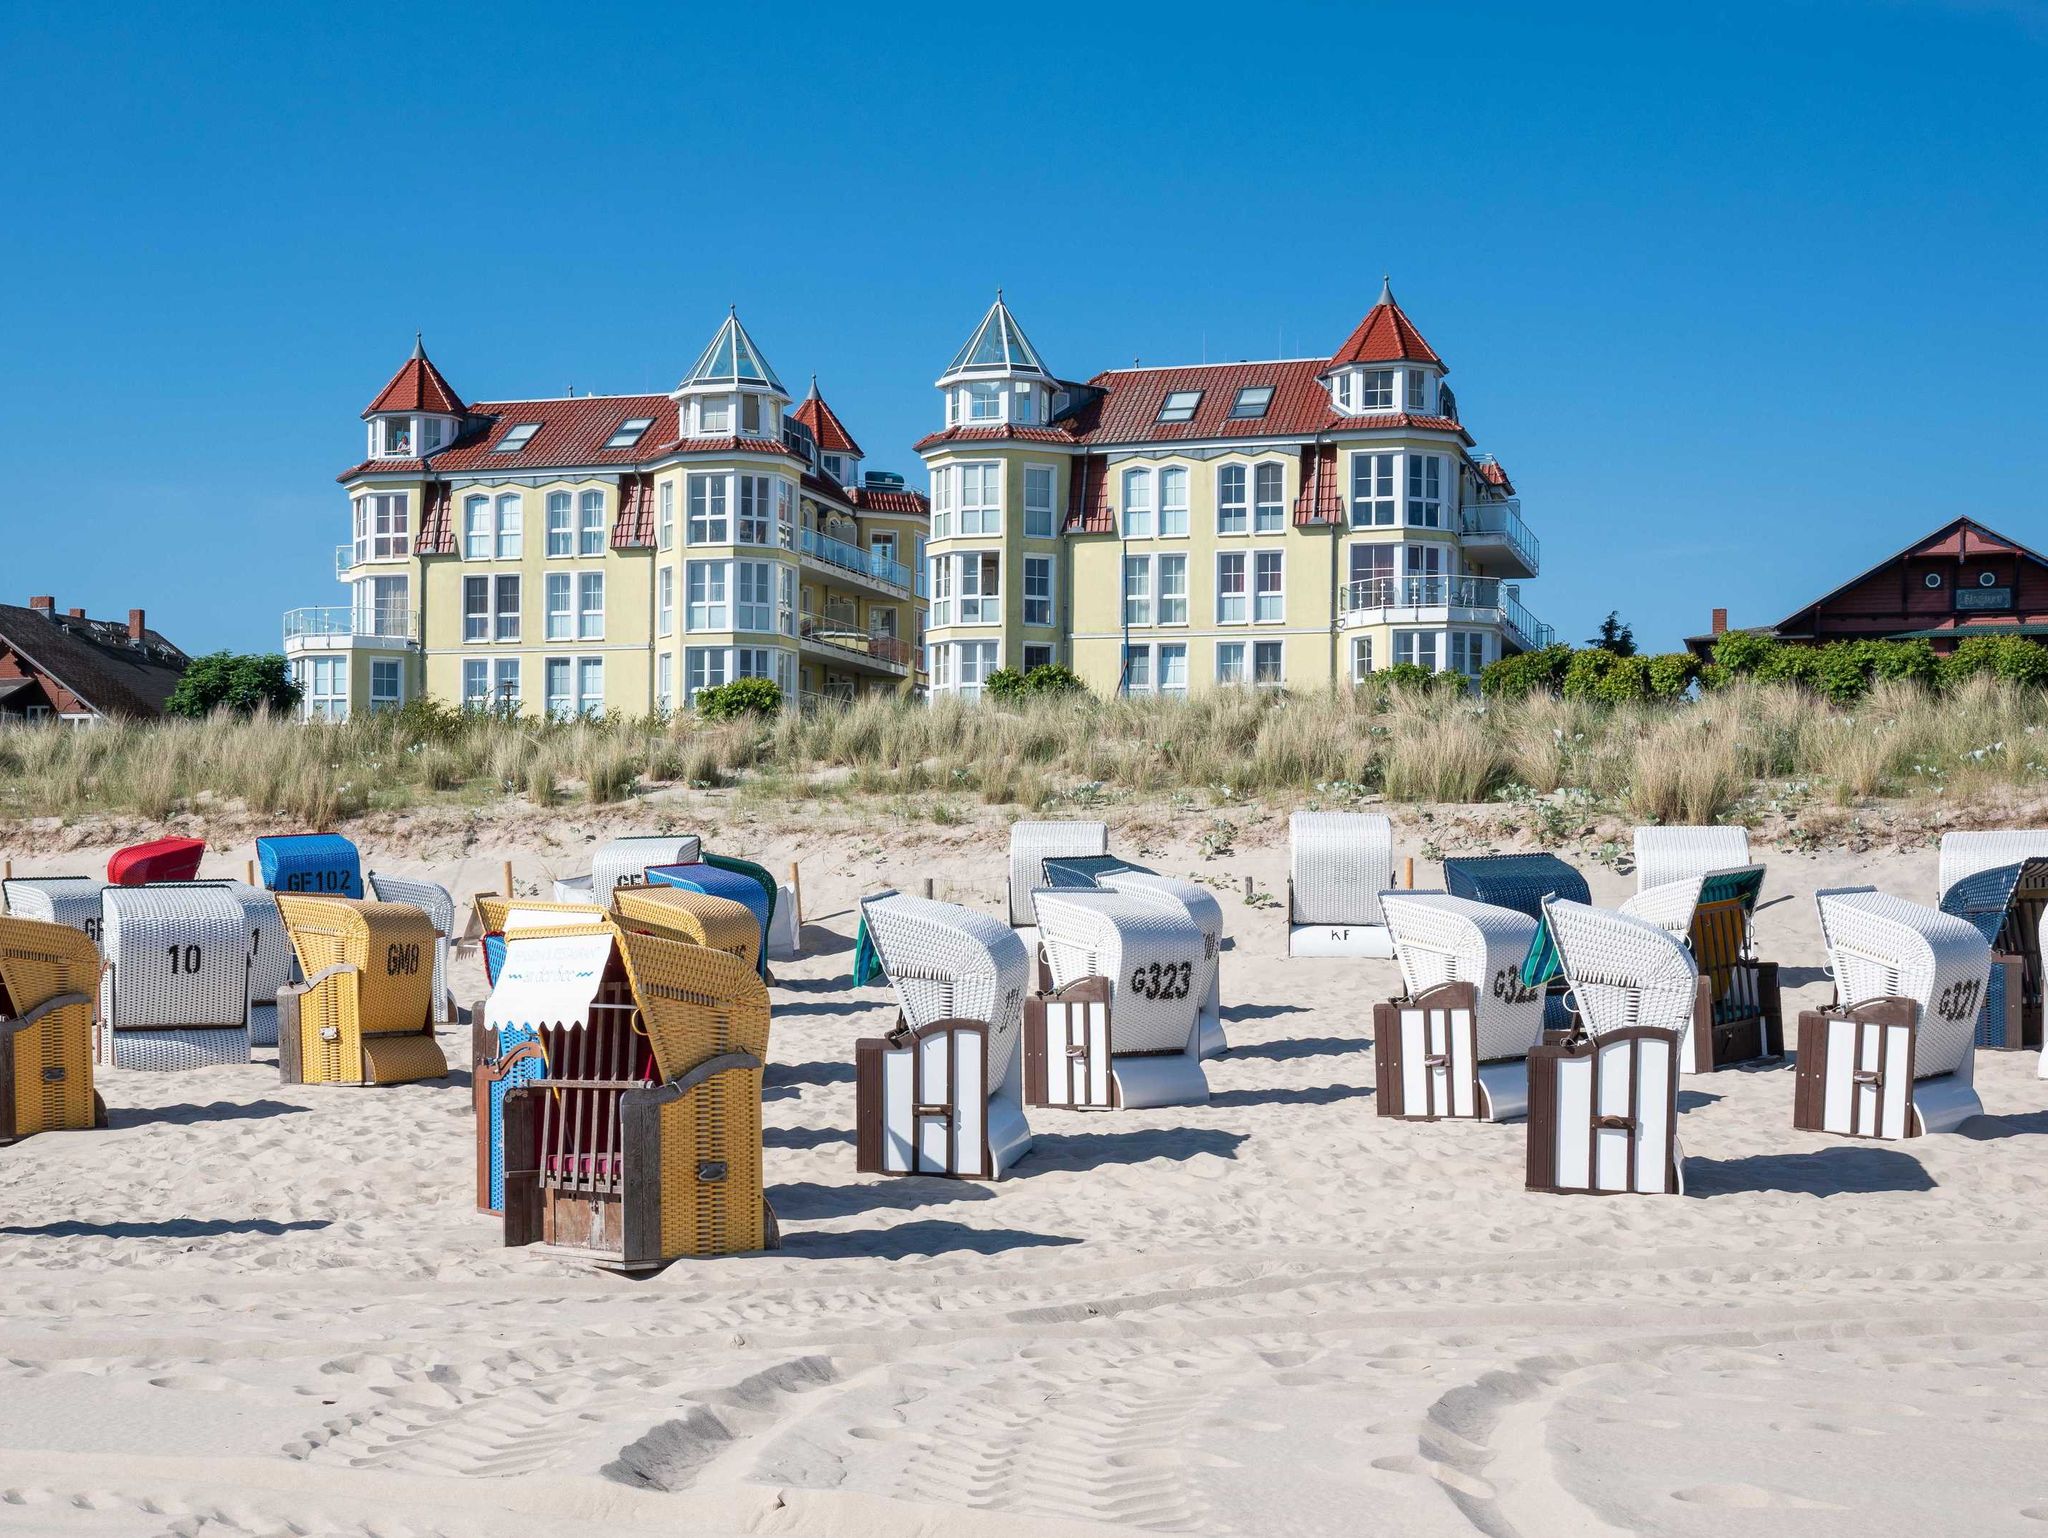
1686	761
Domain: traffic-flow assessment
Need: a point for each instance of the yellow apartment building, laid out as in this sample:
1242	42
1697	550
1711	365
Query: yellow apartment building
1292	523
615	553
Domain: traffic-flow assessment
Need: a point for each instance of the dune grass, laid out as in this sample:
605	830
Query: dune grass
1675	762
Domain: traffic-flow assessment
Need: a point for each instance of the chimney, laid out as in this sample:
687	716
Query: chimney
44	605
1720	622
74	614
136	627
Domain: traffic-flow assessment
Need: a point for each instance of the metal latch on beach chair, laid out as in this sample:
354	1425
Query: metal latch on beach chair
711	1171
1615	1123
934	1108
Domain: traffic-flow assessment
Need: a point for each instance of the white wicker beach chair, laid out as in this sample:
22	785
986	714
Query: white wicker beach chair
1965	854
73	901
1669	905
1603	1104
1338	863
438	903
627	859
943	1094
175	993
1896	1055
1032	843
1455	1045
1201	906
272	966
1672	854
1119	1024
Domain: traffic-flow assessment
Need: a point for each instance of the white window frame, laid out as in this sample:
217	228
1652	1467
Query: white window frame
1276	649
758	614
707	517
495	621
665	601
980	605
590	524
1423	648
1376	390
1378	507
1233	501
1423	506
1230	664
665	516
1038	605
1235	563
380	700
476	527
1361	658
981	497
1172	608
510	526
943	481
704	667
1137	590
558	606
1173	515
1264	561
712	611
1038	510
590	606
561	525
1137	503
1269	511
1164	653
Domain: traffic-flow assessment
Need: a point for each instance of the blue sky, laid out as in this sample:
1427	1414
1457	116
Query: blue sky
1743	302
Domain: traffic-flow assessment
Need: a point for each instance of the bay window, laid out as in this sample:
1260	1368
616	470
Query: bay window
981	597
942	590
1425	491
755	510
755	599
381	527
1418	647
942	502
981	498
705	605
1372	491
703	668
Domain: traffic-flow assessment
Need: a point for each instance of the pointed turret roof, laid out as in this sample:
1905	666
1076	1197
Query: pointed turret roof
825	426
1386	335
998	346
732	359
417	386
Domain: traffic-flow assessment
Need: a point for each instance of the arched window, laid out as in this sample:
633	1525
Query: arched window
1137	504
509	532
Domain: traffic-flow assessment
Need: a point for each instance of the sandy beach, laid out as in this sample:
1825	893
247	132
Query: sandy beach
252	1309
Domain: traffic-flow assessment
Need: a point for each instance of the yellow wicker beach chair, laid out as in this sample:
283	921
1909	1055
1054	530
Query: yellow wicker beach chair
48	973
365	1013
696	918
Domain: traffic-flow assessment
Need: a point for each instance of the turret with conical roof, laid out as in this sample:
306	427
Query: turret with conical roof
838	455
1385	365
417	412
998	378
731	389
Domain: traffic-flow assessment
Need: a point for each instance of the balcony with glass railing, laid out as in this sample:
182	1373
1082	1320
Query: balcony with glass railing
840	556
1445	600
844	641
344	625
1494	533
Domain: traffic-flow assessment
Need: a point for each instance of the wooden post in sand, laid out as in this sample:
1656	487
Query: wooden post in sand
927	886
249	868
1247	889
508	878
9	871
796	887
1408	873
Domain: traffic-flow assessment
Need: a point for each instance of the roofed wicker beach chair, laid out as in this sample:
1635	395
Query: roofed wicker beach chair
317	864
47	976
1517	881
1032	844
438	904
1896	1054
735	887
1456	1045
271	962
161	859
693	916
365	1012
1713	912
1603	1098
1338	863
1115	1023
1999	882
175	993
942	1093
1671	854
641	1142
1109	874
73	901
627	859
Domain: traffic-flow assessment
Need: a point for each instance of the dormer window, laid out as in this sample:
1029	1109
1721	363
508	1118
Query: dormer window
1418	387
1025	409
629	432
516	439
1251	403
1376	390
433	433
1179	405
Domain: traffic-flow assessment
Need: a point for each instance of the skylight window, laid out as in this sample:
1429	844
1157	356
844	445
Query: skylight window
1180	405
1251	402
517	438
629	432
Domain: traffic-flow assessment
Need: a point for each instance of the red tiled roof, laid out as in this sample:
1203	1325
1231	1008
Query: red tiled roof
1386	335
993	435
1321	499
1088	509
437	522
825	426
1491	473
1127	411
871	501
633	529
572	434
417	386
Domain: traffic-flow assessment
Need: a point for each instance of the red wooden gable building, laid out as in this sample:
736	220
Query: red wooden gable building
1961	580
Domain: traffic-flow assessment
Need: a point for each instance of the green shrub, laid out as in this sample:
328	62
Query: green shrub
1005	684
1525	673
1789	665
1743	651
241	683
1626	679
1583	673
425	719
1899	661
1838	671
741	697
1049	680
1672	674
1413	676
2014	658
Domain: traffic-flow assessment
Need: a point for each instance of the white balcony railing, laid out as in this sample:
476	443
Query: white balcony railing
380	621
868	563
1483	596
1503	521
